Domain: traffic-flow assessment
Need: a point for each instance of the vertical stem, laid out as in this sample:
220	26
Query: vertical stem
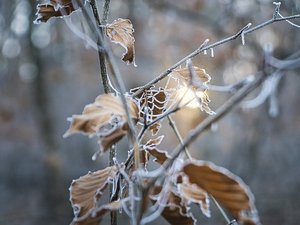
105	11
101	54
105	82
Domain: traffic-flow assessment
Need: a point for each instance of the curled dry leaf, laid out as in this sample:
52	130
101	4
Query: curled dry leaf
192	193
175	213
105	118
96	215
228	189
121	31
85	191
152	103
55	8
194	87
173	210
151	148
199	80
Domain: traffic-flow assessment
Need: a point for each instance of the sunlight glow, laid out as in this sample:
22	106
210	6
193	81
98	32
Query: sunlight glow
186	97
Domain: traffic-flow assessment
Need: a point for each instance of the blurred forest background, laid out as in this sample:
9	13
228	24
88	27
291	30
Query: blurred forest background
48	74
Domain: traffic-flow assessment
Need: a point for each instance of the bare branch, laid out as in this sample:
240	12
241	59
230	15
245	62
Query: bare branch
231	88
243	31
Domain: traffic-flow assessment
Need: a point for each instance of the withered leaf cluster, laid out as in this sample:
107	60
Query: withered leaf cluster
184	182
196	182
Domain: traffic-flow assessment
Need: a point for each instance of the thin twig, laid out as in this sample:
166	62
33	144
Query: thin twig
243	31
220	209
230	88
176	131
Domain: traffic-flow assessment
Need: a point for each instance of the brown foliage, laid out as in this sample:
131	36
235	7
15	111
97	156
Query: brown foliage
151	148
197	80
173	210
87	190
95	216
106	118
55	8
191	193
120	31
228	189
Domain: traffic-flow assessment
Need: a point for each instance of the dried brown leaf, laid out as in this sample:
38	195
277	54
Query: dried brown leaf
174	217
85	191
55	8
174	212
228	189
192	193
95	216
106	118
198	81
194	87
120	31
151	147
